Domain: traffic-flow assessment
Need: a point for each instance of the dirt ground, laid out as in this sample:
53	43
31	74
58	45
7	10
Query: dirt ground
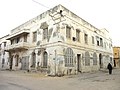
20	80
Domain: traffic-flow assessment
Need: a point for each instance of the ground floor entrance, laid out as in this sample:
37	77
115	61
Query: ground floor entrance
79	62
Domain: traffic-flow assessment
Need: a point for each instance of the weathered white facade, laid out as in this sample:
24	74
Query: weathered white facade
59	42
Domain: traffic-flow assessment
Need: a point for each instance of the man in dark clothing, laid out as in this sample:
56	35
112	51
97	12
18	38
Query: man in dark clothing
109	67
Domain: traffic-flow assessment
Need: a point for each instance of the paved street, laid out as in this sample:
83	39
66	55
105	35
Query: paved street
14	80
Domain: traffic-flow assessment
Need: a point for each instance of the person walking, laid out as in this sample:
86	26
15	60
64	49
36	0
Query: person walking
109	67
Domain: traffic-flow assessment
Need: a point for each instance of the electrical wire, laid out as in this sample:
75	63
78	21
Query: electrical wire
40	4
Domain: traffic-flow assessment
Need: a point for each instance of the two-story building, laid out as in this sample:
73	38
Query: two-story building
60	42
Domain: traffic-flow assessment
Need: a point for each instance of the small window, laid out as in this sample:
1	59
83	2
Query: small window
78	35
12	41
68	32
34	36
4	44
86	38
45	33
25	38
101	42
17	39
97	43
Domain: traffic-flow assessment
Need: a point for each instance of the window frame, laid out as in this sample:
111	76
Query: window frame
68	32
86	38
78	35
69	58
35	36
45	33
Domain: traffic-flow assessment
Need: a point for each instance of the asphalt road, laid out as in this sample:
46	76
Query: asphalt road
14	80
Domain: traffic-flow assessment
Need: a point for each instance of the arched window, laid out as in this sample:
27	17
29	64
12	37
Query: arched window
87	59
94	58
45	59
69	57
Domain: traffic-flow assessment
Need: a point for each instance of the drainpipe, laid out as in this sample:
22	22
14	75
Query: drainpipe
55	61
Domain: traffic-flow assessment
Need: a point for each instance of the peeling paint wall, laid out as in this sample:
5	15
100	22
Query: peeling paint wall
55	43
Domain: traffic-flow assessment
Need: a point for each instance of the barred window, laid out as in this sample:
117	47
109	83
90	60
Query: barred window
69	57
87	59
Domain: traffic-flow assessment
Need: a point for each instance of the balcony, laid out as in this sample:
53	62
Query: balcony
18	46
20	33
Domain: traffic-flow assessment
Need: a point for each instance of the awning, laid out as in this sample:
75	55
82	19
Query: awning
22	32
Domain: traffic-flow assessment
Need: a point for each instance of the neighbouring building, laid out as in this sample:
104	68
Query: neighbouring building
116	51
4	56
59	42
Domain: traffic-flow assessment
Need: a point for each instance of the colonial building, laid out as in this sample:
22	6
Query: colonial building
116	51
59	42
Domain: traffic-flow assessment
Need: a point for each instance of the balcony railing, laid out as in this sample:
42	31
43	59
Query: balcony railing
18	46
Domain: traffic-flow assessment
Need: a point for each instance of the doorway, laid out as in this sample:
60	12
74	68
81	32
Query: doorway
11	62
114	63
100	60
79	62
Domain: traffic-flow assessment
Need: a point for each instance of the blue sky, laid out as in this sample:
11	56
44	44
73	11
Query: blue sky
100	13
